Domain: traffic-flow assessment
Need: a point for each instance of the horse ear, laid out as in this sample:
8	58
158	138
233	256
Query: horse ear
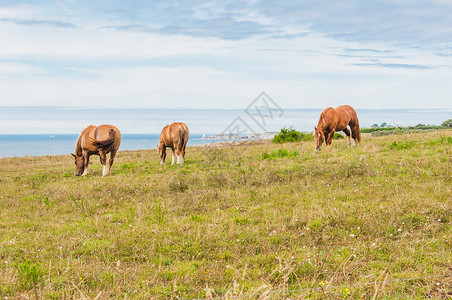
73	155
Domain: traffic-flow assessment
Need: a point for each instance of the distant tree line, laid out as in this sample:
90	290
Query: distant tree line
384	128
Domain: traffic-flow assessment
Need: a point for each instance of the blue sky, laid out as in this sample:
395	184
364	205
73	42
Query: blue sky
222	54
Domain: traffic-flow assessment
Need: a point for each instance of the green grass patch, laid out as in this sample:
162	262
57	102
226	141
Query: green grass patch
280	153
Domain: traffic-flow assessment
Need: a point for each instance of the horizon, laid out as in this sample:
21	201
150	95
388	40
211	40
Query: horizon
66	120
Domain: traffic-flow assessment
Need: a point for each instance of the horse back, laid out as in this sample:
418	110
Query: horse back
103	137
348	114
107	137
328	119
174	134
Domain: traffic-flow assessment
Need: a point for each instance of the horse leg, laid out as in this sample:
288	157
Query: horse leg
85	167
347	133
163	155
173	152
354	134
180	158
110	163
329	139
103	161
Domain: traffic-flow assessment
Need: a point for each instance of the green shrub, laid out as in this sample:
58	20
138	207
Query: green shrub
287	135
447	123
291	135
338	136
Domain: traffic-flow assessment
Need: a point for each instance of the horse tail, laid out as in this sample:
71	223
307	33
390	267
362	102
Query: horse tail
356	121
107	144
182	137
358	134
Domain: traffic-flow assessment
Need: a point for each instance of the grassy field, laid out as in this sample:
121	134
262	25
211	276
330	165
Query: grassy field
263	220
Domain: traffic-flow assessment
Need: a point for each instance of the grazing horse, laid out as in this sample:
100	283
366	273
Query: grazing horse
99	140
174	136
337	119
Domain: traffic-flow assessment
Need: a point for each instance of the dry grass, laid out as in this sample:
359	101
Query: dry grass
234	222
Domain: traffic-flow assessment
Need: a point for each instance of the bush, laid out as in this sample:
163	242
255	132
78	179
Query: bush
291	135
338	136
287	135
447	123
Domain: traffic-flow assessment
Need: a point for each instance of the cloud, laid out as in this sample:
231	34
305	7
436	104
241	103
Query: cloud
38	23
394	22
393	66
222	54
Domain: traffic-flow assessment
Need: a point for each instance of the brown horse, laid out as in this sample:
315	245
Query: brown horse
174	136
99	140
337	119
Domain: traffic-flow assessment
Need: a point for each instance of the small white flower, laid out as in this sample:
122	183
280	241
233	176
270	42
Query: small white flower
439	220
352	235
438	283
373	244
400	229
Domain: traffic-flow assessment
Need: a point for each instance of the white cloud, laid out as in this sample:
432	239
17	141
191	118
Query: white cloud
118	61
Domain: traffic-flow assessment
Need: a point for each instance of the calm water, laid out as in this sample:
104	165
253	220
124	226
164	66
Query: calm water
43	144
54	130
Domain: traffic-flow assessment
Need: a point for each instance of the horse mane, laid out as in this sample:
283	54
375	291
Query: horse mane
78	146
321	123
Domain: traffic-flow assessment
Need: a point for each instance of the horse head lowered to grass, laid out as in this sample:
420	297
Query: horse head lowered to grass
174	136
99	140
337	119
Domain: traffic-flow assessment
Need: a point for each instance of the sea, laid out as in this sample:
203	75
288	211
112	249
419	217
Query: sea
39	131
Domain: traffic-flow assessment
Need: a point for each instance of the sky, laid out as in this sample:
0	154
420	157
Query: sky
223	54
